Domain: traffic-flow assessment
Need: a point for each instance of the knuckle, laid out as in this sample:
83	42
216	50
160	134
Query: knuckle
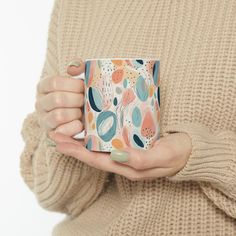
57	117
53	83
57	99
63	98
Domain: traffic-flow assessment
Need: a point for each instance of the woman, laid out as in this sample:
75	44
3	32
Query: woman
186	183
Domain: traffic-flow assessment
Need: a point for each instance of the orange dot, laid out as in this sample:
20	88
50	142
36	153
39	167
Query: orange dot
90	117
117	76
93	126
151	91
87	107
117	143
117	62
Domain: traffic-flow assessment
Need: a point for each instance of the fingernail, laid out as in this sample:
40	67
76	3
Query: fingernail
118	155
51	145
50	142
74	63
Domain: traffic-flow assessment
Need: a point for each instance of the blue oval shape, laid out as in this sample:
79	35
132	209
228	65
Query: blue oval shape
95	99
87	71
125	83
101	125
155	72
136	117
142	89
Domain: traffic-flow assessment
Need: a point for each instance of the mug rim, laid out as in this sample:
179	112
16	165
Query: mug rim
123	58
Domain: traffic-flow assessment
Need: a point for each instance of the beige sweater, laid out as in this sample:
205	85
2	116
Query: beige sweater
196	43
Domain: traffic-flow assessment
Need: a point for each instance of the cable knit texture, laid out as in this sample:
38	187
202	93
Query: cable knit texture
196	44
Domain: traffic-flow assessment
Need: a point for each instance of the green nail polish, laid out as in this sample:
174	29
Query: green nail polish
50	143
74	63
120	156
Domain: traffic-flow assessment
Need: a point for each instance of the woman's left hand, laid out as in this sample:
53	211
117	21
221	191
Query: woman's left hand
168	156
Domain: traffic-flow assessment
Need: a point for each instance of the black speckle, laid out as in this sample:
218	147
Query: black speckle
158	95
140	61
115	101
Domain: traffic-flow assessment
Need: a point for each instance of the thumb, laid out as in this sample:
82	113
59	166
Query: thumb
76	67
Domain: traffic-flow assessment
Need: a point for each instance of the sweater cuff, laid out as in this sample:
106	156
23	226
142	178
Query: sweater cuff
212	157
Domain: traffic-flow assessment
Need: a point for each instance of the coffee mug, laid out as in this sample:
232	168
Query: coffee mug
121	103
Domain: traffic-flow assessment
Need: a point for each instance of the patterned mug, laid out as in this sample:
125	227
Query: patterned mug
121	103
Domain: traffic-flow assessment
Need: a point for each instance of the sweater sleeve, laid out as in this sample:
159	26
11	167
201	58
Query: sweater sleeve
212	163
60	183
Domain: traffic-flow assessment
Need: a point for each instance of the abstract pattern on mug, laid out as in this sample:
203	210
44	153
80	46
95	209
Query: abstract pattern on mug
122	103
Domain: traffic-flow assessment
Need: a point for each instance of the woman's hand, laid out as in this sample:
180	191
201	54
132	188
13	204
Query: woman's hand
168	155
60	100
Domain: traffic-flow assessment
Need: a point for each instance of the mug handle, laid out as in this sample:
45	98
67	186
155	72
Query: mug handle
80	135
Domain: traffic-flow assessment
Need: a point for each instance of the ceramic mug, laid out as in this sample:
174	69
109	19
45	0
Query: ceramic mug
121	103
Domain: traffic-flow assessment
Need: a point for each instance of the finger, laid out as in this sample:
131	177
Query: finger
58	83
102	161
59	116
75	67
60	99
62	138
157	156
70	129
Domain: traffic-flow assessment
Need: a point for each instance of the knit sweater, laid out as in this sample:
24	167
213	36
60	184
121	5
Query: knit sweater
195	41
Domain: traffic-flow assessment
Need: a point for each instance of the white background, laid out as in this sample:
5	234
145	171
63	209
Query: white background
23	35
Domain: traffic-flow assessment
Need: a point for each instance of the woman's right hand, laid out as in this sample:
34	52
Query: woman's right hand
59	102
